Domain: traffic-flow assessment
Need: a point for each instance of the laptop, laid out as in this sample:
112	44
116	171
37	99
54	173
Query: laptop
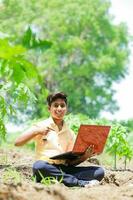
94	136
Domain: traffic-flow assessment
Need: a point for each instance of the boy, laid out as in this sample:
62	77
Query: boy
52	136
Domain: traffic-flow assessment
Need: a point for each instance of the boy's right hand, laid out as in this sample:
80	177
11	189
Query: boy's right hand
43	131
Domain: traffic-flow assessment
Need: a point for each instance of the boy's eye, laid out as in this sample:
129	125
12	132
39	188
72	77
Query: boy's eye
56	105
61	105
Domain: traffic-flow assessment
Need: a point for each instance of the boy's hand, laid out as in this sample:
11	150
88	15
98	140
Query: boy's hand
88	153
43	131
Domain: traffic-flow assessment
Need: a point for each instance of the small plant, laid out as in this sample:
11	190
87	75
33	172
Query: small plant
127	153
118	145
49	180
4	159
11	176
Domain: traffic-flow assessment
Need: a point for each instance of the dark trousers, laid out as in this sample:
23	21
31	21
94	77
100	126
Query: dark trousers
72	175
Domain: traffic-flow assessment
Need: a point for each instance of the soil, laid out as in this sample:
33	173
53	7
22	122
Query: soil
16	182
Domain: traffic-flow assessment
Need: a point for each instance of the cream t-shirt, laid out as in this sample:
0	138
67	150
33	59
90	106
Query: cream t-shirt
55	142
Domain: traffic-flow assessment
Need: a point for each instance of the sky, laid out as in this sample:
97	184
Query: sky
122	10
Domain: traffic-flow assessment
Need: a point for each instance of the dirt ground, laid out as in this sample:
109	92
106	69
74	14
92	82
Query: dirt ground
16	182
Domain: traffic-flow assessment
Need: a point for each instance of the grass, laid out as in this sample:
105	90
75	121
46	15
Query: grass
49	180
4	159
11	175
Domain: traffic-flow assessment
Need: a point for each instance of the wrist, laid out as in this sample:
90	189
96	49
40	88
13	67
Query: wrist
35	133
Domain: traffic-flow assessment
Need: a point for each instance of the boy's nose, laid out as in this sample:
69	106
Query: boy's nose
59	107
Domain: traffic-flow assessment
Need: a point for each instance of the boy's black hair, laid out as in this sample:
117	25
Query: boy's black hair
59	95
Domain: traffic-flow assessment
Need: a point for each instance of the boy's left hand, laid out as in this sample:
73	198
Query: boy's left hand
88	153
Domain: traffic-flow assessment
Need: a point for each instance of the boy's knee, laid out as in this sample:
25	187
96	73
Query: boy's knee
38	165
100	173
39	170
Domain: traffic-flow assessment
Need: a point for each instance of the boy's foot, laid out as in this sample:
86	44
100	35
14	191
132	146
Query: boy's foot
91	183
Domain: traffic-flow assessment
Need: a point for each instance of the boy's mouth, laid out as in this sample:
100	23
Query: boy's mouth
59	114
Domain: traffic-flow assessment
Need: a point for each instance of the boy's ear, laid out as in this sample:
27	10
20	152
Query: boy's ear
68	111
48	108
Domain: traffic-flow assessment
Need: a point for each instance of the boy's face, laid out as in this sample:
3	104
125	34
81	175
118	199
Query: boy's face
58	109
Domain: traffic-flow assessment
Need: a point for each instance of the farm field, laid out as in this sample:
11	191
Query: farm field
17	183
75	49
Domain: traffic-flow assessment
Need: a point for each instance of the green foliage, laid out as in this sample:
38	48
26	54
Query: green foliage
49	179
128	123
7	51
117	144
31	41
2	130
75	121
17	78
10	175
13	65
12	74
22	94
88	54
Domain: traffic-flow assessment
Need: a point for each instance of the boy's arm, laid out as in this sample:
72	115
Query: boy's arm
88	153
30	134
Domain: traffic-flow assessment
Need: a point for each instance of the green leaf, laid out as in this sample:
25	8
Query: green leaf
8	50
2	130
31	41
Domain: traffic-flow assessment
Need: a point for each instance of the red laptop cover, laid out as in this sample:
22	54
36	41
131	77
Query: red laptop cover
91	135
88	135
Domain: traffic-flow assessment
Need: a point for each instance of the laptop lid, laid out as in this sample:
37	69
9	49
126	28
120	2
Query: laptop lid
91	135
